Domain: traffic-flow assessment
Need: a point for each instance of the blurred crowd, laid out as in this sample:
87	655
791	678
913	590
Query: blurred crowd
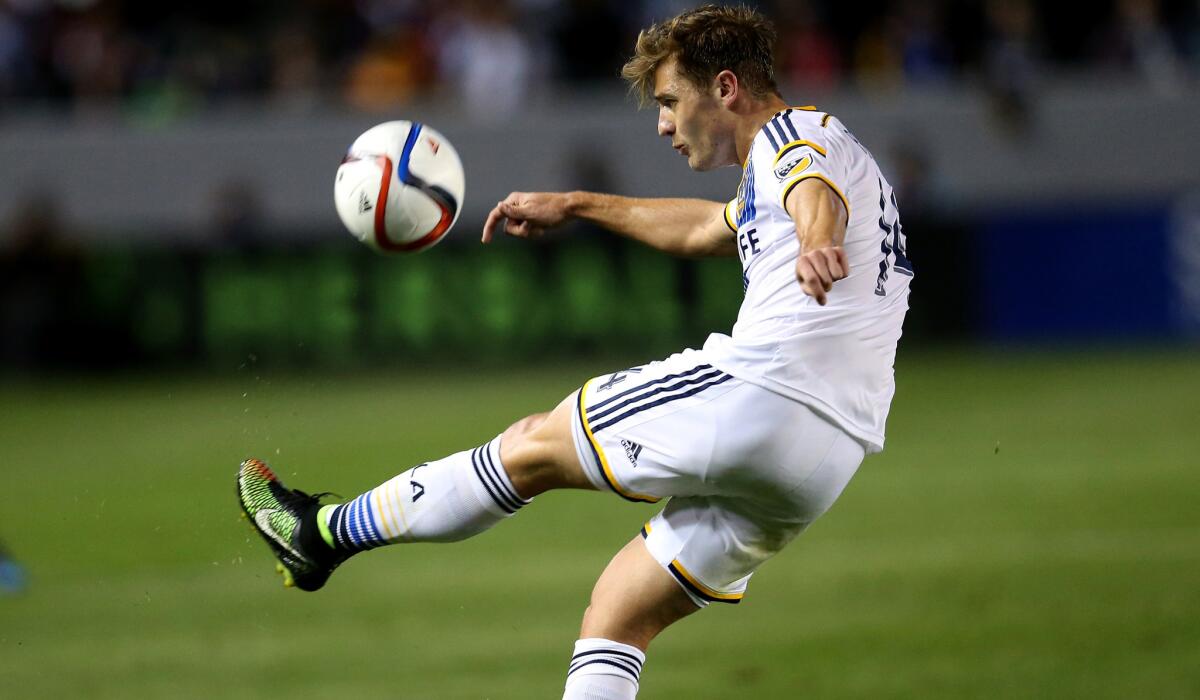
495	53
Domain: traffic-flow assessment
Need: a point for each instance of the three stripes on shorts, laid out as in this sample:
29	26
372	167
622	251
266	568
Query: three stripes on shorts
651	394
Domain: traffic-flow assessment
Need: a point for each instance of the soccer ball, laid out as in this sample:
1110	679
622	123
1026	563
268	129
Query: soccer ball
400	187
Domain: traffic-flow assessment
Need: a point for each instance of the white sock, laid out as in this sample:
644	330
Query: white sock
443	501
602	669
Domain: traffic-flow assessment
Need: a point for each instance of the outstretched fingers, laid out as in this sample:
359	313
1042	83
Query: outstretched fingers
489	226
526	214
507	209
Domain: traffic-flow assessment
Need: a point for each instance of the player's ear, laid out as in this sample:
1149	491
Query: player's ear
726	84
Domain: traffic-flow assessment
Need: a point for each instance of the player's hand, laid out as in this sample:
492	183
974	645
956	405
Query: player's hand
527	214
818	269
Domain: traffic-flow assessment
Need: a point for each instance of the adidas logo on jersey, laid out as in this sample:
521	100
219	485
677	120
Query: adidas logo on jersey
364	203
632	450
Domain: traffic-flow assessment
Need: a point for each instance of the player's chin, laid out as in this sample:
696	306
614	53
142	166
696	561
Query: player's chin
700	166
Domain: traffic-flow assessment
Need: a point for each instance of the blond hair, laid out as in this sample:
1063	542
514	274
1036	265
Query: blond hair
706	41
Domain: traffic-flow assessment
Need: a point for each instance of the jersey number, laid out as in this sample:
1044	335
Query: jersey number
893	242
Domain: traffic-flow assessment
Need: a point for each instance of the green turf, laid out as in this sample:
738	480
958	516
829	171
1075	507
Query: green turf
1033	530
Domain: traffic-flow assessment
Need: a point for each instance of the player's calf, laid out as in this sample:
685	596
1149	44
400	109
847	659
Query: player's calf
633	601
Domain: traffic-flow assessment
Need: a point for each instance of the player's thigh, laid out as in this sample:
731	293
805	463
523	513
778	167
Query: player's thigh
539	454
682	428
712	545
634	599
650	432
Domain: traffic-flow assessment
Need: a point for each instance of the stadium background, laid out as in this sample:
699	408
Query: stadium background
176	294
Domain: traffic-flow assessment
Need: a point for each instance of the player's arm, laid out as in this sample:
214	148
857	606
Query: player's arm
820	215
683	227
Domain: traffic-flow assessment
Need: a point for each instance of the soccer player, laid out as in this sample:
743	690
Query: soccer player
12	574
749	439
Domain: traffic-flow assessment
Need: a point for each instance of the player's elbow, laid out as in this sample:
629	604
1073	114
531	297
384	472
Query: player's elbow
701	243
691	248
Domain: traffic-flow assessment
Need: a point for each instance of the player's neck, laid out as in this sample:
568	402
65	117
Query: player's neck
754	118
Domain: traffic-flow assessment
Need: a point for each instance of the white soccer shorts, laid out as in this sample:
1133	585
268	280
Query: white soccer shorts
745	469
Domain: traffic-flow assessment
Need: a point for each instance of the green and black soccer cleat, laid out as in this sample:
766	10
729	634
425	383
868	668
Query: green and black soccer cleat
287	520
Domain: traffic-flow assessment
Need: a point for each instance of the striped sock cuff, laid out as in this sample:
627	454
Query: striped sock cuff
603	657
353	525
485	460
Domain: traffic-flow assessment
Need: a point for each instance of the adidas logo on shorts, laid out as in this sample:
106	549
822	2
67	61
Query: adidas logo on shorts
632	450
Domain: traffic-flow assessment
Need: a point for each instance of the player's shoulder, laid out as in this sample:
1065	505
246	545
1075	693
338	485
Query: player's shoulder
796	123
790	136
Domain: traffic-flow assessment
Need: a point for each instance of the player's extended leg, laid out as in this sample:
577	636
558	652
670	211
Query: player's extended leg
539	454
442	501
634	600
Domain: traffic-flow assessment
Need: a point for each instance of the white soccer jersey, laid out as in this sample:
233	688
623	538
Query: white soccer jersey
836	358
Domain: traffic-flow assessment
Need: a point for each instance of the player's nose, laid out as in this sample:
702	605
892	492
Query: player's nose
665	126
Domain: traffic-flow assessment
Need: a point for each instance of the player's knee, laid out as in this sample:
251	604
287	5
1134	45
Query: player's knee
538	454
612	615
525	425
613	623
600	623
522	446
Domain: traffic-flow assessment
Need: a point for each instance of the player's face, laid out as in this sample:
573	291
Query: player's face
692	118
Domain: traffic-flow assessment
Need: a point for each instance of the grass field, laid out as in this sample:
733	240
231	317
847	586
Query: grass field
1033	530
